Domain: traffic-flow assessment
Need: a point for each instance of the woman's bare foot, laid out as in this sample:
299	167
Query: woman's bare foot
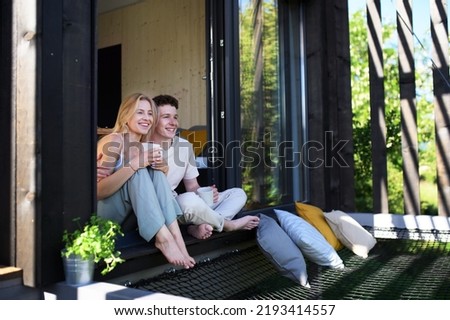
244	223
170	248
172	253
201	231
174	230
189	261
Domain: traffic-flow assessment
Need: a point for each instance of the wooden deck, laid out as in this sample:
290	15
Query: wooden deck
12	287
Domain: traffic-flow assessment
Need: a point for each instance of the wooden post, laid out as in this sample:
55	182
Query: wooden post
410	152
441	83
67	126
329	104
7	136
24	136
377	108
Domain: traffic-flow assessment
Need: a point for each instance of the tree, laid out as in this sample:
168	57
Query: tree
361	118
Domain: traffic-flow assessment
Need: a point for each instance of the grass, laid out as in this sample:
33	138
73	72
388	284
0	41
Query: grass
428	198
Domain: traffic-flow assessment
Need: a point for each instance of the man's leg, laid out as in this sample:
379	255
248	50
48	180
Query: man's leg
231	201
197	212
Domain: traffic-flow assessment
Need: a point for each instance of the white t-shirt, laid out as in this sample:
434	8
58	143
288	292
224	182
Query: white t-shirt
181	161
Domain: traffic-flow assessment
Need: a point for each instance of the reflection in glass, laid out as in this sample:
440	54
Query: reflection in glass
260	102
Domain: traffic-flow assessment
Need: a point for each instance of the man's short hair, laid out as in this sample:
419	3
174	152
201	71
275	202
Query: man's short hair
164	99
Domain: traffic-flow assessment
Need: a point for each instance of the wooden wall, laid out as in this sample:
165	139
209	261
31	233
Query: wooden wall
6	135
163	51
329	102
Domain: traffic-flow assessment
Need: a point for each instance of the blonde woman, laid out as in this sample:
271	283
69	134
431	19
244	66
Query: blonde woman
135	182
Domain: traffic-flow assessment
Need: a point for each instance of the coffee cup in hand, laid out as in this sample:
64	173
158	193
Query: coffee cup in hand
206	193
151	146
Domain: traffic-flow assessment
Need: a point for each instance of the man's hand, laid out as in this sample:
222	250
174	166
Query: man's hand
215	193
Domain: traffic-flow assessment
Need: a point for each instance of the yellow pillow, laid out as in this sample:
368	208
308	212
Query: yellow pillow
315	216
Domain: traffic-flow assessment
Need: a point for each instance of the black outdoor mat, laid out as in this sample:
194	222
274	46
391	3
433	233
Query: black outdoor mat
395	269
216	279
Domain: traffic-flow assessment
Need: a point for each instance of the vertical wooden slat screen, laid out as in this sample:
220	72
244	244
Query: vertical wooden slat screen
341	115
409	126
377	107
441	83
410	154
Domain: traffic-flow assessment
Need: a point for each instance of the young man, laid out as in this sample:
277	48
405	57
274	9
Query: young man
202	219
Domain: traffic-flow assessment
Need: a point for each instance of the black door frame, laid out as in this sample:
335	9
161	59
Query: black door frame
223	91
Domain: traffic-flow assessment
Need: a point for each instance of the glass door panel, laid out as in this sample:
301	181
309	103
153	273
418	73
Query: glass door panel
261	105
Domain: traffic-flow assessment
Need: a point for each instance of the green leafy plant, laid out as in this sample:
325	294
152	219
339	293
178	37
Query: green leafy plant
95	240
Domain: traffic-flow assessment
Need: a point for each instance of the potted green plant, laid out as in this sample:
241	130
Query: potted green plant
95	242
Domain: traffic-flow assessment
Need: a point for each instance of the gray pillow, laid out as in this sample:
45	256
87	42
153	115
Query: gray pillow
281	251
309	240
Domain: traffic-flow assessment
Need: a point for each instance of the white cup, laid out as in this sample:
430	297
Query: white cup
206	193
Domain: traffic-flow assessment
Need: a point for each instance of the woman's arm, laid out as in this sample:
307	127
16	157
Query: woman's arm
102	172
109	150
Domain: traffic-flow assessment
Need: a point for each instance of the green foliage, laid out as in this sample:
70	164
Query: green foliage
95	240
362	120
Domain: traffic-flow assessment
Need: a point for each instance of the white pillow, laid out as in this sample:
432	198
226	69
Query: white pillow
279	249
310	241
350	233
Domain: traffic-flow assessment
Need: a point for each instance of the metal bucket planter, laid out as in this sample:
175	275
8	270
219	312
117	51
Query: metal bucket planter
78	271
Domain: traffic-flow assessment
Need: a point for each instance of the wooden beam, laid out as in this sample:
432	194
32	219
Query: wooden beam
377	108
24	118
329	104
410	149
339	163
66	126
441	83
7	183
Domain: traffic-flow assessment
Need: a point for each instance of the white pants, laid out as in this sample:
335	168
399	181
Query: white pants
196	211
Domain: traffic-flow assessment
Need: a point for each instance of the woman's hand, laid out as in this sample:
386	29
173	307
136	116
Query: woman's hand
148	158
102	171
155	158
161	166
157	162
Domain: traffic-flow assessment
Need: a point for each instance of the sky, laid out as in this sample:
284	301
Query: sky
421	22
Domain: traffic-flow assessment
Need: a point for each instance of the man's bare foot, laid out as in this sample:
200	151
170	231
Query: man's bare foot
201	231
244	223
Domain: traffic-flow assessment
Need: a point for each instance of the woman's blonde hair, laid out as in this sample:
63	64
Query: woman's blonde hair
128	108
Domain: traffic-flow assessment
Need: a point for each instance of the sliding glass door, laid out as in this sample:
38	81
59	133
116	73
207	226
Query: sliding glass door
267	76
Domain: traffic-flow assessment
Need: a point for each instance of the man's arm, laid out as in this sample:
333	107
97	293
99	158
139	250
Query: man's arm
191	185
